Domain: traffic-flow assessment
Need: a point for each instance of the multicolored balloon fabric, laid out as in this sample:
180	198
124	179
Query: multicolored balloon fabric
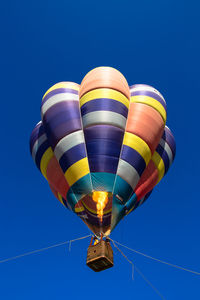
102	146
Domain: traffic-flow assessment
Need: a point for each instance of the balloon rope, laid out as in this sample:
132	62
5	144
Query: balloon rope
141	274
130	262
158	260
43	249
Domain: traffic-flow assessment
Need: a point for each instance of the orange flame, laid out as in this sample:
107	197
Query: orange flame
101	199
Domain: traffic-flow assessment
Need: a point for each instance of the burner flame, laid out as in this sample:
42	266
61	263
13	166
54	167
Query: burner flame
101	199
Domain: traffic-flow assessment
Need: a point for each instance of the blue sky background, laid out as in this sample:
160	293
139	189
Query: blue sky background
44	42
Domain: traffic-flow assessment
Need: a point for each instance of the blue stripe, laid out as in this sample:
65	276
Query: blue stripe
161	151
104	132
40	153
170	140
131	156
36	133
104	104
103	163
71	156
59	91
103	147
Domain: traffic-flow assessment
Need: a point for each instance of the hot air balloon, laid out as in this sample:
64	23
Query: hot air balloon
102	146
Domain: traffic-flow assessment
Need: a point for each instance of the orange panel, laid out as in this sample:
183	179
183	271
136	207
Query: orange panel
104	77
145	122
56	177
147	181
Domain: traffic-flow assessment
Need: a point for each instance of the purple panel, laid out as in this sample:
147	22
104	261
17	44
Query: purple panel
60	120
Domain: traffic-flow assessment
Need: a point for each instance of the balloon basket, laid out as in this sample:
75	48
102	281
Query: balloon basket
100	256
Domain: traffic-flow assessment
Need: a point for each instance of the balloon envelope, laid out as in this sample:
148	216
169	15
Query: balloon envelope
102	146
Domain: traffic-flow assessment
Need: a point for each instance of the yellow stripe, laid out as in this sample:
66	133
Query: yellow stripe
136	143
151	102
69	85
79	209
48	154
77	170
156	158
104	93
60	198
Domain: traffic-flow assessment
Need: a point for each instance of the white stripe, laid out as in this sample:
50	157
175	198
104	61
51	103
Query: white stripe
164	144
104	117
141	87
128	173
57	99
37	144
68	142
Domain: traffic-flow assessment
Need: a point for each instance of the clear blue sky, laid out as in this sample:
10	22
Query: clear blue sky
44	42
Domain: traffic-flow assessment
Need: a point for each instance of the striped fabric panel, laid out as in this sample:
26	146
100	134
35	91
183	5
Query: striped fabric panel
56	177
145	122
147	181
104	114
104	117
147	90
170	140
159	163
37	132
76	171
103	144
63	126
46	162
60	112
135	156
151	102
127	172
104	93
158	166
40	149
74	87
151	97
104	106
136	143
71	152
167	148
68	142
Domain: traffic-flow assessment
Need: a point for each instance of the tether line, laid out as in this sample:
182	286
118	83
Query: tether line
43	249
158	260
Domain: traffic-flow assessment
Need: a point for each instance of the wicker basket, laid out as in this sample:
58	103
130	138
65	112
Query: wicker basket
100	256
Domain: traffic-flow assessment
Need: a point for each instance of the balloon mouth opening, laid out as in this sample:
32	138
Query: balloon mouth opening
101	200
